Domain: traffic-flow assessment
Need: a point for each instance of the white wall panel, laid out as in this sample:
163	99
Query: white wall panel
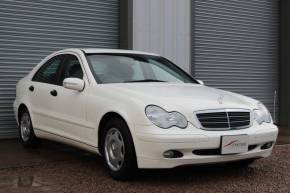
163	27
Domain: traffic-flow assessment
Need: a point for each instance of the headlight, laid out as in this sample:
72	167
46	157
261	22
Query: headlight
164	119
261	114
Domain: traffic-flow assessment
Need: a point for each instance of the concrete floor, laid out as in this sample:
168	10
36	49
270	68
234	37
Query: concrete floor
55	167
14	155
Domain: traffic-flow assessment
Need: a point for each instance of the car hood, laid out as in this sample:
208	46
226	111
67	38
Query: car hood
179	96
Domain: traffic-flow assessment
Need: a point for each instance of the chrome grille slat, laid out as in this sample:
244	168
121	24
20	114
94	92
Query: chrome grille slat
230	122
239	116
214	122
239	121
226	119
213	117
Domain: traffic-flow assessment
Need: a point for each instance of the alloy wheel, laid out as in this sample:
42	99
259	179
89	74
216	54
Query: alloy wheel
114	149
25	127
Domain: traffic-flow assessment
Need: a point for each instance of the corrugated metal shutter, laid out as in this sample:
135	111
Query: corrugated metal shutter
30	30
235	46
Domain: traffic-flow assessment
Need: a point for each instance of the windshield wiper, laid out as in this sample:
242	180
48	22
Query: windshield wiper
145	80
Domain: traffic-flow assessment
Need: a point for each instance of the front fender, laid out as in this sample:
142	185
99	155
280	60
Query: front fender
100	103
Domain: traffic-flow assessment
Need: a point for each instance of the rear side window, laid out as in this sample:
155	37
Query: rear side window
48	73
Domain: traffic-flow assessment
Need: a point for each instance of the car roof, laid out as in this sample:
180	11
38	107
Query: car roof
113	51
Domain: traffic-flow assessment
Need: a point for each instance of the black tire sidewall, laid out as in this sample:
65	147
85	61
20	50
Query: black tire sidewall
32	141
129	167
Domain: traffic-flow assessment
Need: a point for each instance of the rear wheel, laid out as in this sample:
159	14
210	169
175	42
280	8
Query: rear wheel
26	133
118	150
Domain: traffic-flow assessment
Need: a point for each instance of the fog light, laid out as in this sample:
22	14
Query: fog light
267	145
172	154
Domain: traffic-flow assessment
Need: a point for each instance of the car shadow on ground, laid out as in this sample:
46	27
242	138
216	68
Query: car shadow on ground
178	174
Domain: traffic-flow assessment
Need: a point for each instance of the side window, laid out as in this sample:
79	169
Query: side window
48	73
71	68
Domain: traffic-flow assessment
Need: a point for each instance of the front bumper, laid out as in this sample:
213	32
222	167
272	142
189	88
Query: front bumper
151	146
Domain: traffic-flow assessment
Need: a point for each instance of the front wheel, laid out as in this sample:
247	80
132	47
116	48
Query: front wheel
26	133
118	150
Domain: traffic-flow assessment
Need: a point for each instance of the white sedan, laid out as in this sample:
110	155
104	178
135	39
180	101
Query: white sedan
138	110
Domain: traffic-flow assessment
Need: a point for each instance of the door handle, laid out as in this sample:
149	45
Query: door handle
53	93
31	88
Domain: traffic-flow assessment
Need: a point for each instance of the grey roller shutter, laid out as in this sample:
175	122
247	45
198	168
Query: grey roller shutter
235	46
30	30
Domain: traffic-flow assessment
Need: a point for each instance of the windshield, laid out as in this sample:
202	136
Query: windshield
125	68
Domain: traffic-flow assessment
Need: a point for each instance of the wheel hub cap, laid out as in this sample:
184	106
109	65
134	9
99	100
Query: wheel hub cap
25	127
114	149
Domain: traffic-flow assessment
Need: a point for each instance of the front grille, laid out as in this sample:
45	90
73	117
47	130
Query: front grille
224	120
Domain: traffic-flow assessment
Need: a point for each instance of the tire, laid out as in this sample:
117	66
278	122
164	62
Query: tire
26	132
118	150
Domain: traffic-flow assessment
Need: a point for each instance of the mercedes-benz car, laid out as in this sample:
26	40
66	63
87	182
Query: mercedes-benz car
138	110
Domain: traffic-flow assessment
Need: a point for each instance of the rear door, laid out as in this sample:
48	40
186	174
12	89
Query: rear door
41	93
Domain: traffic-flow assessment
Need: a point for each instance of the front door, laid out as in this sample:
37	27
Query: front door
69	105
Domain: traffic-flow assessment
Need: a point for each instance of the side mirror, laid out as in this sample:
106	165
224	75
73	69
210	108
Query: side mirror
74	84
200	82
